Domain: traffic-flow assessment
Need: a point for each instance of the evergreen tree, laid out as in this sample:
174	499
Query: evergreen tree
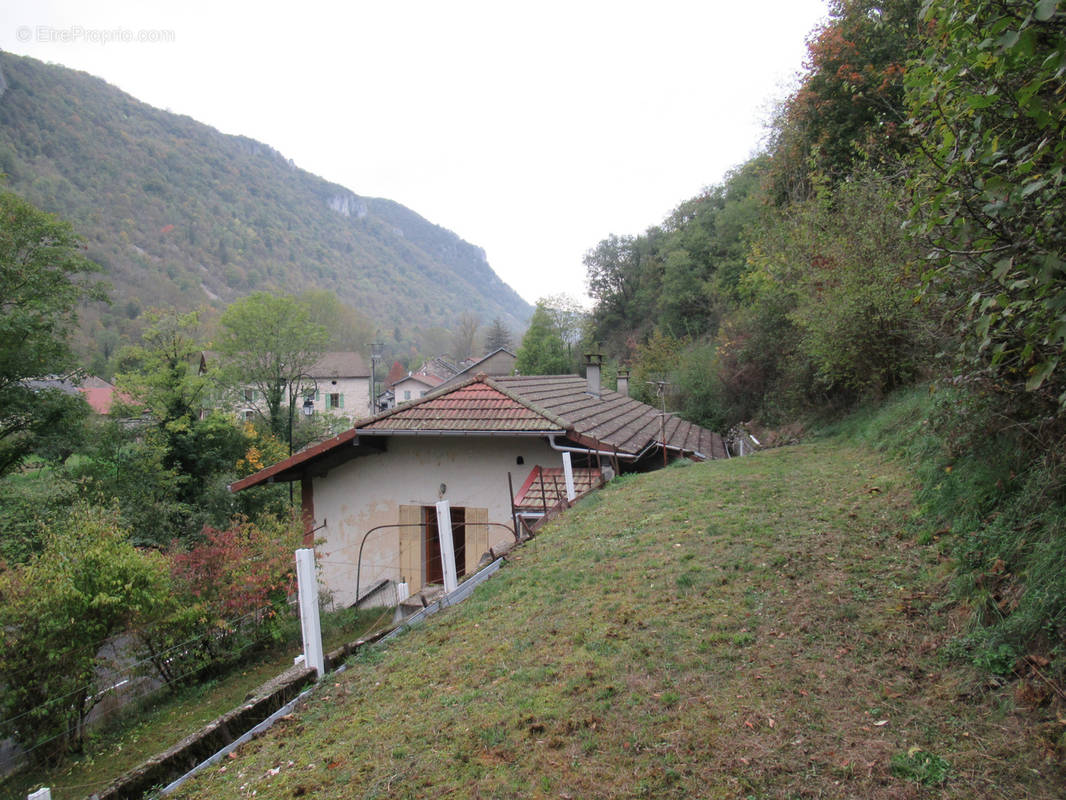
497	336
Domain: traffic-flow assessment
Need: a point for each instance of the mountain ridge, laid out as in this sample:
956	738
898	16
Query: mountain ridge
180	214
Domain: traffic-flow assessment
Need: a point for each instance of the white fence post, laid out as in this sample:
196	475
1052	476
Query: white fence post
43	793
568	476
447	549
309	622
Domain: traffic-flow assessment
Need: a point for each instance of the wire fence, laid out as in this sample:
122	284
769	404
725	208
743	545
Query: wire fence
130	675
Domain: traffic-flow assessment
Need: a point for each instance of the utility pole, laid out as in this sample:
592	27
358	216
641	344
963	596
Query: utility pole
660	392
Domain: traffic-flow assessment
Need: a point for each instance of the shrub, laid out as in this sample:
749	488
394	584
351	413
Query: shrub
56	612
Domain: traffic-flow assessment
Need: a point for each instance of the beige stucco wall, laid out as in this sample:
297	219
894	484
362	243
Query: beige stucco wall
412	385
356	393
369	490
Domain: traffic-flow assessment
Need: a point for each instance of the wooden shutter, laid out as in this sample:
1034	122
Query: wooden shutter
411	547
477	537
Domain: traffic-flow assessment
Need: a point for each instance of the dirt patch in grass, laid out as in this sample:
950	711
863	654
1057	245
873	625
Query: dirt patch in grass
763	628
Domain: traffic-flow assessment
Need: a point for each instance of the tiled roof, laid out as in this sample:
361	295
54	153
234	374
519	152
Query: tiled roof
340	365
474	406
99	398
425	380
396	373
551	405
613	421
545	487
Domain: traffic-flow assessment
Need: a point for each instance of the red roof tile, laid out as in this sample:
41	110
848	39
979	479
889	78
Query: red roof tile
471	407
545	487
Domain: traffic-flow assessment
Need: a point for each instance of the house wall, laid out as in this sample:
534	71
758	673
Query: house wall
369	490
497	364
356	393
415	387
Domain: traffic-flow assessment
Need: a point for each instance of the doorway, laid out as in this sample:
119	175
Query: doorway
434	567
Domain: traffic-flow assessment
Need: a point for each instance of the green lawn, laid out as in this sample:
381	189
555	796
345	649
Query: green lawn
764	627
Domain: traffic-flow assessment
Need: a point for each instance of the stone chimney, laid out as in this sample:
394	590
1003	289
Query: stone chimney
592	372
623	382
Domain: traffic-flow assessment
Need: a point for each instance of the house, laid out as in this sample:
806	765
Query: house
98	393
343	385
437	372
413	386
492	446
338	384
499	362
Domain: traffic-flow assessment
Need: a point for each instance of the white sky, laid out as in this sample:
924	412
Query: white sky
533	130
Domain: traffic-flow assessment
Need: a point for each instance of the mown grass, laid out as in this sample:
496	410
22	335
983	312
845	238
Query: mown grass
764	627
164	718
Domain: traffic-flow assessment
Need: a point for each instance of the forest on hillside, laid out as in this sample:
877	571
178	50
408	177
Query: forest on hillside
906	219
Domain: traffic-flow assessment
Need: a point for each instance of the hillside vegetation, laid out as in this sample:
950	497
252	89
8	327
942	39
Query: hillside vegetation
904	227
181	215
761	627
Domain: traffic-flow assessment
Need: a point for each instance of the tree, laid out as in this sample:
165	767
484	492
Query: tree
497	336
849	109
267	345
987	100
162	379
348	329
162	374
543	351
43	277
464	335
56	612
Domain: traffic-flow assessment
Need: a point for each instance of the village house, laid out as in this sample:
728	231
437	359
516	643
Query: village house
338	384
492	446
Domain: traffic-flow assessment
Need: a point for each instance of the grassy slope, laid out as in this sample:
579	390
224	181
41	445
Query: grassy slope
763	627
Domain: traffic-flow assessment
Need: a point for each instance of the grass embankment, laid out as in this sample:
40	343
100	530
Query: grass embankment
163	719
764	627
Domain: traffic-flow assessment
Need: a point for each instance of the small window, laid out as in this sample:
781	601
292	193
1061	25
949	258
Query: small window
249	395
335	400
407	395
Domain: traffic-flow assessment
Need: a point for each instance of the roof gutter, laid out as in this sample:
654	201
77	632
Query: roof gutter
562	448
445	432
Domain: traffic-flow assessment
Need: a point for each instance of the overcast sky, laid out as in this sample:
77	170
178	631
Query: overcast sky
533	130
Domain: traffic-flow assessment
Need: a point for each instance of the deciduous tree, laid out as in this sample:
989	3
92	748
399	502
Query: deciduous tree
43	277
267	344
543	351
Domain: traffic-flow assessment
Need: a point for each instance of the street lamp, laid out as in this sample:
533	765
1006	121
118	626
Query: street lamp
375	356
308	409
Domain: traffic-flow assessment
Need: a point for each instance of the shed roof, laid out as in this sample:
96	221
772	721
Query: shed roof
545	487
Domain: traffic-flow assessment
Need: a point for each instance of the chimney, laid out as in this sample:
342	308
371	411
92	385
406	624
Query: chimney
623	382
592	372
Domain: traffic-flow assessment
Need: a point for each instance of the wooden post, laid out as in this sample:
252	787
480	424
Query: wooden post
309	621
447	548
